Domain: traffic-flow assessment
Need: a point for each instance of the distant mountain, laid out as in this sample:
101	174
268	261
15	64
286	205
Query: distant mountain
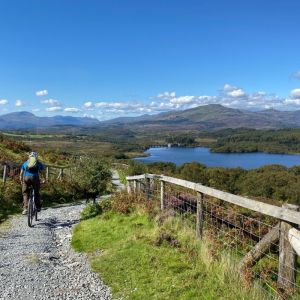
207	117
214	116
27	120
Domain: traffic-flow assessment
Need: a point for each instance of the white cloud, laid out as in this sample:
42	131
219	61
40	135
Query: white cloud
166	95
232	91
72	109
36	110
237	93
182	100
51	102
292	101
88	105
228	87
113	104
3	101
295	94
229	96
19	103
42	93
88	116
54	108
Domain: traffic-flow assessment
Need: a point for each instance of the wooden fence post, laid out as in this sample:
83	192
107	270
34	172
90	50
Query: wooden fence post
4	173
148	187
61	173
162	195
138	186
287	255
128	187
134	186
200	215
47	173
259	250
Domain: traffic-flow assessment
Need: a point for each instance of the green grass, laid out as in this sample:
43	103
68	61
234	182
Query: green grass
4	227
7	211
135	266
122	175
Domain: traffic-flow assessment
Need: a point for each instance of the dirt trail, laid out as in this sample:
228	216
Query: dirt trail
38	262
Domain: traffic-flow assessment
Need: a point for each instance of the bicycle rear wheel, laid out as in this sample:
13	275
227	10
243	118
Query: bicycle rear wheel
30	212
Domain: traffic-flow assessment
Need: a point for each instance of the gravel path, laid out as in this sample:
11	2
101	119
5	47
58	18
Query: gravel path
38	262
116	181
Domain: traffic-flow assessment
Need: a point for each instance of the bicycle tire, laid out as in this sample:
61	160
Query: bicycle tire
30	212
34	205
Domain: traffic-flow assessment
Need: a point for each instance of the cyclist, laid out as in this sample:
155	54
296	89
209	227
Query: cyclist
29	177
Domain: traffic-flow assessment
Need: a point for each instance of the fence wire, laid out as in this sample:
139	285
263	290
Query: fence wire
232	228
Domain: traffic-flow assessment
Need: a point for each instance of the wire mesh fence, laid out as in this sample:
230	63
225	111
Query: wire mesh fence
260	242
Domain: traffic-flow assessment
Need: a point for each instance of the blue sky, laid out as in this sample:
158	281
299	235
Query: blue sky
112	58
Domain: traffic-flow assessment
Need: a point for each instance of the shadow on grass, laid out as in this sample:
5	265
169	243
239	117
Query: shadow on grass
7	211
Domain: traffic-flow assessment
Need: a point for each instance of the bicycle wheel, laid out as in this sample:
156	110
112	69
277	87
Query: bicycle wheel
34	205
30	212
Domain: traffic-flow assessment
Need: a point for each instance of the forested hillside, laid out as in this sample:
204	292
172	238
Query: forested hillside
276	183
249	140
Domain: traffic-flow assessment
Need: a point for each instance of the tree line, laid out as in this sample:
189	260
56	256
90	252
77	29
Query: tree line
273	183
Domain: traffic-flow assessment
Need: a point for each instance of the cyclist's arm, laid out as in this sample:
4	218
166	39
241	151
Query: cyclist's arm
21	175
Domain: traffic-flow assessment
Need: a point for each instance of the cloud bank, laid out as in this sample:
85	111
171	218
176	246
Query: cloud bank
229	96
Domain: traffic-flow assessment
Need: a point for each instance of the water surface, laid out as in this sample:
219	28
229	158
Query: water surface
180	155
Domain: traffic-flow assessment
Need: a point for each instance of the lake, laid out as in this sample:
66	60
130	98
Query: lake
180	155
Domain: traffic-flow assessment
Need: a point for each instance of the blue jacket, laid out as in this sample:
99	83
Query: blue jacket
41	167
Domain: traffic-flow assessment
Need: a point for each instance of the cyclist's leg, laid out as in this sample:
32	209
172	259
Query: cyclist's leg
36	187
25	192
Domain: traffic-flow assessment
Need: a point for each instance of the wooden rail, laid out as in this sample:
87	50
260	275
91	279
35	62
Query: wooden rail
285	232
281	213
10	169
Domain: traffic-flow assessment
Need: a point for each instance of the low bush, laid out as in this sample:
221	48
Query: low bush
136	168
90	211
10	199
126	203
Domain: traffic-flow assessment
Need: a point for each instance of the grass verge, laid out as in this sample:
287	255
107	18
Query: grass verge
146	259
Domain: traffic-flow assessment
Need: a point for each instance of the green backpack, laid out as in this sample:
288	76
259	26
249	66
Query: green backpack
32	165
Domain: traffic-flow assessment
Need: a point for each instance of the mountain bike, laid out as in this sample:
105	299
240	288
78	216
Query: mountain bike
32	210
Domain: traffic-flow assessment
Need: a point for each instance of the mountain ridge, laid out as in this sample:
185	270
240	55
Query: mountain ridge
206	117
215	116
27	120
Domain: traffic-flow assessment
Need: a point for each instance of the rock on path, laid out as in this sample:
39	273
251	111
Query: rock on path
38	262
